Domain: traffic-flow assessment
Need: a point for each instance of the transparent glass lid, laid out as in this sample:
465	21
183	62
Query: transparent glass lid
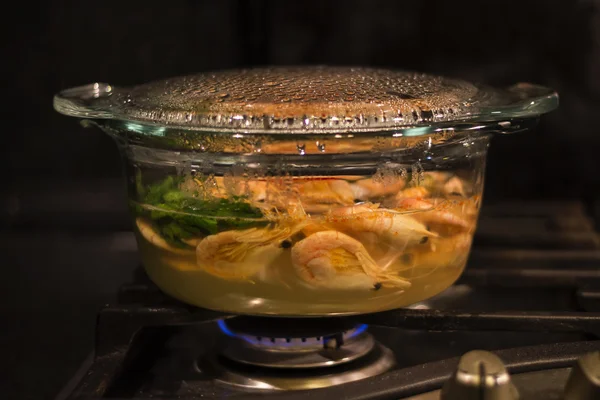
306	100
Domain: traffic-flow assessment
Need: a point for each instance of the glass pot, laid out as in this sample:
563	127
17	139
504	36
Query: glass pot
305	191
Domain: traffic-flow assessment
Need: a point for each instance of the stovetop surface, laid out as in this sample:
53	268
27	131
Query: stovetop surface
531	293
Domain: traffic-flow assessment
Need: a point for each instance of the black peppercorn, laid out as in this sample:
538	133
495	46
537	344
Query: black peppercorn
407	258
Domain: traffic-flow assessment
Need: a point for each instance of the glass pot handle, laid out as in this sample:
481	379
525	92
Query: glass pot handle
89	101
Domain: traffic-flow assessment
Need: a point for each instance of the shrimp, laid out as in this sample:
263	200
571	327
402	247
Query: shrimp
455	185
260	192
417	192
437	177
309	195
334	260
318	195
192	242
442	252
386	224
435	214
365	189
148	233
243	254
434	181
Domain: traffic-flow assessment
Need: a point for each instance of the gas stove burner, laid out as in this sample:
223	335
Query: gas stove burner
269	327
298	354
309	351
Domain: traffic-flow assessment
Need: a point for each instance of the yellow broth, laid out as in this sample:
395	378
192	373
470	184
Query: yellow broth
320	250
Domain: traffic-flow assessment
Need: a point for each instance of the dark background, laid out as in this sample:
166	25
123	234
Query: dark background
64	225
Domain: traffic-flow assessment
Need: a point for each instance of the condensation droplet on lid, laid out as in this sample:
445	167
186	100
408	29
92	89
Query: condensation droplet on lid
301	148
418	174
267	122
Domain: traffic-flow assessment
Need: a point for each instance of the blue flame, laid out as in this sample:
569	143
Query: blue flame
358	330
225	329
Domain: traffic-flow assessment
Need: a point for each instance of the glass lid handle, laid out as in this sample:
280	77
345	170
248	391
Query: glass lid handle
526	103
87	101
526	100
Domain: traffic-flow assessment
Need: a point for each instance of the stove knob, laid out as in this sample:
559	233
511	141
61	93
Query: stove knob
480	376
584	381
